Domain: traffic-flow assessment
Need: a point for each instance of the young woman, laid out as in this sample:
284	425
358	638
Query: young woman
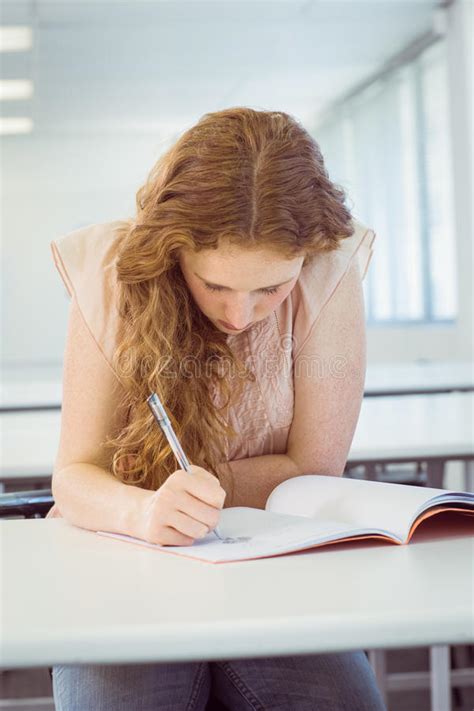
235	293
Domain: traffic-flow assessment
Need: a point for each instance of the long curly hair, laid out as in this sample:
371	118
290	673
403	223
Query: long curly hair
255	178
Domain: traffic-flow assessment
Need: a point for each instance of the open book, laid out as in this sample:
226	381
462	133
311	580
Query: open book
316	510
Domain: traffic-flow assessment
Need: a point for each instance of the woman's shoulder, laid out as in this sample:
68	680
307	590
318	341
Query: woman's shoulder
86	261
324	267
87	252
320	278
323	273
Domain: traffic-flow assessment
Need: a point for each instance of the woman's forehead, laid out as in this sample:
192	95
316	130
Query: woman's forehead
239	267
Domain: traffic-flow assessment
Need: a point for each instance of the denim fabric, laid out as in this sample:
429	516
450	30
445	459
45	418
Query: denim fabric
324	682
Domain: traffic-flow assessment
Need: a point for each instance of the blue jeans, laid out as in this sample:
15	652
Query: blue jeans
323	682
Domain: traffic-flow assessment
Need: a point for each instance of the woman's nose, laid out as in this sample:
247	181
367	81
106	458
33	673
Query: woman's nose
239	312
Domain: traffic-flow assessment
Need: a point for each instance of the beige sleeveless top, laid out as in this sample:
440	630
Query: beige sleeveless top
262	418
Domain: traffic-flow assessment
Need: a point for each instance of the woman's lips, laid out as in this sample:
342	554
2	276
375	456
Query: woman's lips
230	327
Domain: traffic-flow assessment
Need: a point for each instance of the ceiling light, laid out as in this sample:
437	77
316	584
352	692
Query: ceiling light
18	124
14	89
15	38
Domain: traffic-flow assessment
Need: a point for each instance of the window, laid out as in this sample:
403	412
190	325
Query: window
388	146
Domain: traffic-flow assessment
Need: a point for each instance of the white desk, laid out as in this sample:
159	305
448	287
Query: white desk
71	596
31	388
415	427
404	428
418	378
29	443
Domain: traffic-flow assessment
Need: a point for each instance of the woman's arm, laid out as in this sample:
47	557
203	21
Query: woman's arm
252	480
329	375
329	382
85	491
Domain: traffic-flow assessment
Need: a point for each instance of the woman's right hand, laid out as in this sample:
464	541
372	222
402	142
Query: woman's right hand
184	508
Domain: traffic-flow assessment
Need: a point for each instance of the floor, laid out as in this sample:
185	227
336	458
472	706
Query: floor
36	683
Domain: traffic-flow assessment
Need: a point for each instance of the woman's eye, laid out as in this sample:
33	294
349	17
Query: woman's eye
263	291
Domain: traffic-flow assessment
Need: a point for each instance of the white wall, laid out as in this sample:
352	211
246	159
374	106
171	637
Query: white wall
53	184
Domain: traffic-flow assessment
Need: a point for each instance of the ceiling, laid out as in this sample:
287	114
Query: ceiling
157	66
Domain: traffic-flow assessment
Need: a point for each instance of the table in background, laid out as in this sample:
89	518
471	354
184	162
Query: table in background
410	428
416	428
418	378
31	388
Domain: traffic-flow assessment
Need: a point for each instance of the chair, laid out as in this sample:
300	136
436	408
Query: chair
26	504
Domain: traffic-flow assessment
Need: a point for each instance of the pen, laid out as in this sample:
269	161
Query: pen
160	415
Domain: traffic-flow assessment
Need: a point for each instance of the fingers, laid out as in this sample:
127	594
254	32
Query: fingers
185	508
171	537
187	525
202	485
198	510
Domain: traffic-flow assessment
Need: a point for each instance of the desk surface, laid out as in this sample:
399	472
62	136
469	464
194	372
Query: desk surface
26	387
430	377
71	596
414	427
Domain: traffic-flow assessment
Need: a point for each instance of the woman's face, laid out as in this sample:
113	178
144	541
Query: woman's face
235	287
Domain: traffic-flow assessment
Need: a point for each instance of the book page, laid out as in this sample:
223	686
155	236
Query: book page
247	533
360	503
